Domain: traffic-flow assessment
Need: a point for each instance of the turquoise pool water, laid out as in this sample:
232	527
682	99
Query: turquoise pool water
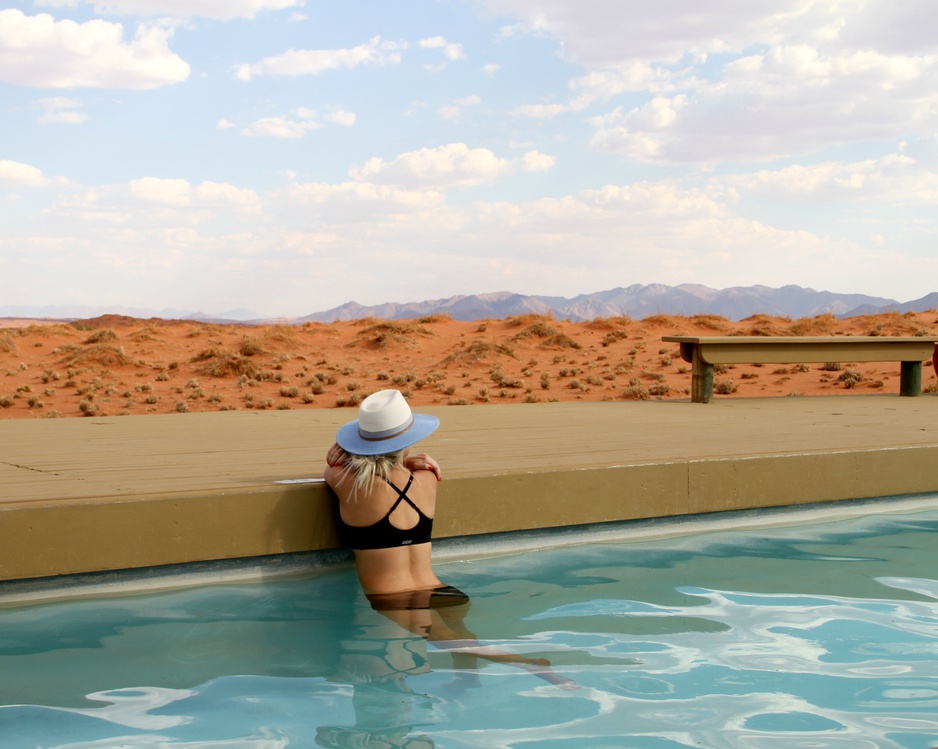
822	635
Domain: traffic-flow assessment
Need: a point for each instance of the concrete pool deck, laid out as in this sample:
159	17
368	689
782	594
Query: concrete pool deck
91	494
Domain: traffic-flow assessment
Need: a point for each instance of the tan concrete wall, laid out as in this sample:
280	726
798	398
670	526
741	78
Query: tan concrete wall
111	502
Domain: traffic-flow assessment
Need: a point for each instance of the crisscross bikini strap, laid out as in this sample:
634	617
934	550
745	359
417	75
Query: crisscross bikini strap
402	494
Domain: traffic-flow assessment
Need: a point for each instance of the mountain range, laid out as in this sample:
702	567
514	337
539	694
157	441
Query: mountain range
636	301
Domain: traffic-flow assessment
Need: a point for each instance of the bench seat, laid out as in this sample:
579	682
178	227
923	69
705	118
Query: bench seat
705	351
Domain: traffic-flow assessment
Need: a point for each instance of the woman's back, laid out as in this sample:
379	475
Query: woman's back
388	525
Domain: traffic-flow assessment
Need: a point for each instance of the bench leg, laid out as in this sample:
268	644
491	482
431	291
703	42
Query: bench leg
701	381
910	378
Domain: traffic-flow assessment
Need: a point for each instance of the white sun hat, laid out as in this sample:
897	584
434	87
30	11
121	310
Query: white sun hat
385	424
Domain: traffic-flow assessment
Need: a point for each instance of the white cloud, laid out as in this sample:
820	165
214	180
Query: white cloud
453	112
896	179
175	192
222	10
785	102
297	123
452	52
279	127
295	62
15	173
340	117
60	110
813	74
448	166
41	52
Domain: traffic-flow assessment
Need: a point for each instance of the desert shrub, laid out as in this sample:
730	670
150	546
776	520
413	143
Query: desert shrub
831	366
724	387
250	347
102	336
850	378
478	351
104	354
613	337
7	402
219	362
635	391
182	407
393	332
659	389
7	344
550	337
813	325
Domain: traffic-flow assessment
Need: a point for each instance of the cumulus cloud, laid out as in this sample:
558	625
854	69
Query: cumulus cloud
42	52
785	102
222	10
452	52
447	166
296	62
179	193
25	175
741	81
896	178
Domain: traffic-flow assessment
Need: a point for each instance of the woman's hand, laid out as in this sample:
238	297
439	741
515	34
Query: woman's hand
336	457
423	462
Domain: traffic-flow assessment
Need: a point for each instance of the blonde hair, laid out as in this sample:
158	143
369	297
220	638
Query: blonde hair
367	468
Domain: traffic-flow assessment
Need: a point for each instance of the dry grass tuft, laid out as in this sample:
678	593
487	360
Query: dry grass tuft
219	362
609	323
385	333
102	336
550	337
479	351
283	335
712	322
105	354
7	344
763	325
529	319
819	325
145	335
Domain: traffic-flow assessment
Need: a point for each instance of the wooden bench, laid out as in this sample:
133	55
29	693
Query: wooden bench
705	351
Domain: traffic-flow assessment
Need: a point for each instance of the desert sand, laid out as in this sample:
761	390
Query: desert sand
115	365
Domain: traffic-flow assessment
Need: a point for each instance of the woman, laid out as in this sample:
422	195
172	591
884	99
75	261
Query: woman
387	500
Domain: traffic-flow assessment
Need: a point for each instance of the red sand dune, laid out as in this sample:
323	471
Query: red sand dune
115	365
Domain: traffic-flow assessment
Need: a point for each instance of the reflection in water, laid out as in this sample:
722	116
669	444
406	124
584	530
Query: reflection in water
388	643
805	636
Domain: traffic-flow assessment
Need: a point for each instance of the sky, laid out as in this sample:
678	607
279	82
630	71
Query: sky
288	156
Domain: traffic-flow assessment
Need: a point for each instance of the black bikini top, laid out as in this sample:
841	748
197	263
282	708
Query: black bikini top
383	535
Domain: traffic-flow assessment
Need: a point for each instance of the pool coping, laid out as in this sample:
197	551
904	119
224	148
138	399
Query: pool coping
116	493
130	582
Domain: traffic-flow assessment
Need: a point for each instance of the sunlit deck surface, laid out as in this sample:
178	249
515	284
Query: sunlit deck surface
90	494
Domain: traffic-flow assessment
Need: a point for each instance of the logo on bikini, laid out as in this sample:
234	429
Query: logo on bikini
404	543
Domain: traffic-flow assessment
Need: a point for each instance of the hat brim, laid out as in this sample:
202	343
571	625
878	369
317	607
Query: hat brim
349	439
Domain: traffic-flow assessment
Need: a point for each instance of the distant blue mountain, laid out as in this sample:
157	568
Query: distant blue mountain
636	301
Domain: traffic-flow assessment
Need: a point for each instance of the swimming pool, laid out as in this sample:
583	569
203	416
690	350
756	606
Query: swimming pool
800	635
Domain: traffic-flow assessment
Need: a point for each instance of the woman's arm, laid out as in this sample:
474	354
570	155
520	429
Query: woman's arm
423	462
